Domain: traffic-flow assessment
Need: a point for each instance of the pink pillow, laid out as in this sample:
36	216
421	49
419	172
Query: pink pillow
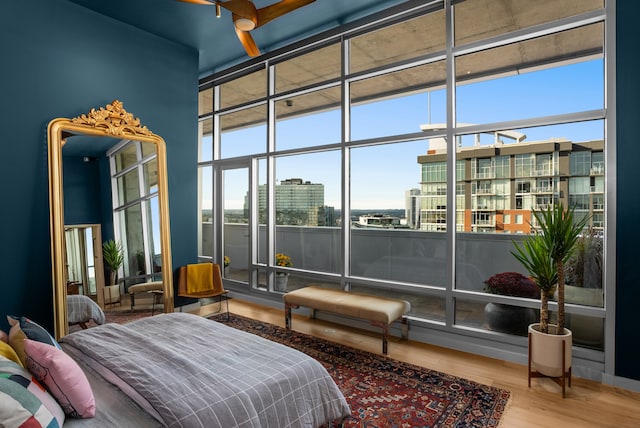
62	376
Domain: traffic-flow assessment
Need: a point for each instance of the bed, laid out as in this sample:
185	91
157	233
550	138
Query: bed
182	370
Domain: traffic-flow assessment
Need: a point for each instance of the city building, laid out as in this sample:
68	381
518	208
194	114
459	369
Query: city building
298	202
499	185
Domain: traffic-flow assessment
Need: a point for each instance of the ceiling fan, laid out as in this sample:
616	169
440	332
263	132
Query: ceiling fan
247	17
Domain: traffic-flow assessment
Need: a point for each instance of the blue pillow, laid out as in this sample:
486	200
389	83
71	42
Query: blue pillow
35	332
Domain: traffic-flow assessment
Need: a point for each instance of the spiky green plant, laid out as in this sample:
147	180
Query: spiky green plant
535	258
113	255
553	242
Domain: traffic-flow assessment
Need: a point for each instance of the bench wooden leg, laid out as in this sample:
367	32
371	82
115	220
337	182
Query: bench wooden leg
405	328
287	315
385	334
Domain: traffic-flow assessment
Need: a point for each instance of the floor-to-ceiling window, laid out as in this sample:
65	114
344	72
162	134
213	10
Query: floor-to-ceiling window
404	157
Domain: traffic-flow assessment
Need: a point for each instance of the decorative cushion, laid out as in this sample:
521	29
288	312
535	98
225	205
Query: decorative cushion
23	328
24	402
9	353
33	330
16	340
62	376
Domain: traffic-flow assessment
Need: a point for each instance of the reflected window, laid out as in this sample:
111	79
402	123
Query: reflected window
136	210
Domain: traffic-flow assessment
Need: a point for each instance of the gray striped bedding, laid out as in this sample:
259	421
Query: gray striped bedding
188	371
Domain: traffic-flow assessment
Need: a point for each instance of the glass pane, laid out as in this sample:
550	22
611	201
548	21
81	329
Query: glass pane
307	206
588	332
424	306
518	81
385	237
128	187
478	19
151	177
403	41
244	89
294	281
244	132
205	190
399	102
205	101
317	66
263	244
482	255
309	120
132	240
205	130
236	237
148	149
153	224
126	157
497	317
90	259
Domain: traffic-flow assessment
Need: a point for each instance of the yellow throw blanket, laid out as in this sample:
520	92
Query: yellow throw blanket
199	278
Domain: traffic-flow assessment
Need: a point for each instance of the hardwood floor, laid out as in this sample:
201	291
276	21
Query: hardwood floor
588	403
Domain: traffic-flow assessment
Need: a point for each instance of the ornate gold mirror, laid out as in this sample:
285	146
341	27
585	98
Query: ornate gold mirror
104	131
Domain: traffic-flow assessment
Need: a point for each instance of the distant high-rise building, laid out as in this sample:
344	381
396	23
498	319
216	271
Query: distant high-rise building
299	202
498	186
412	208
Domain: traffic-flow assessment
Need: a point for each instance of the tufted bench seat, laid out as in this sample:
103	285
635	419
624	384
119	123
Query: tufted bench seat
143	287
380	311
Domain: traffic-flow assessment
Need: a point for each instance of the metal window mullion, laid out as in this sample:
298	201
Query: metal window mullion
451	174
345	228
271	178
610	197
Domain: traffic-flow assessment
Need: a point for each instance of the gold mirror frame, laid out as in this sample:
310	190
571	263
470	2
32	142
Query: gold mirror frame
110	121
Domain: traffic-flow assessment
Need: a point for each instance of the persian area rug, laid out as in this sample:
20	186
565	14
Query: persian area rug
123	317
385	393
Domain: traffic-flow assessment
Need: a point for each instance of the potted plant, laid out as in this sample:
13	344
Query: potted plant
113	255
543	254
509	318
226	262
282	277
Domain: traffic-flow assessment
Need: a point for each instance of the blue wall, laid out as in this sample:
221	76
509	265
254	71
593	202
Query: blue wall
628	179
61	60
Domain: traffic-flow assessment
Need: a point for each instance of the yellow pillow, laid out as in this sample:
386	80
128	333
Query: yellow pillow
16	340
7	351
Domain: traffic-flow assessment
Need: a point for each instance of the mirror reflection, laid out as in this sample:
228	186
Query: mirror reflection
108	199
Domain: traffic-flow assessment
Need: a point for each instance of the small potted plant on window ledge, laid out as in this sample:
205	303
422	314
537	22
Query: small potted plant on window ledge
509	318
226	262
282	277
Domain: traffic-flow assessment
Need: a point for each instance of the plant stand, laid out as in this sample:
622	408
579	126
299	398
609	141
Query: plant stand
550	356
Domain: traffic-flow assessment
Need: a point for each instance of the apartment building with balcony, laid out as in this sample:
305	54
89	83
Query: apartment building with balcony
498	186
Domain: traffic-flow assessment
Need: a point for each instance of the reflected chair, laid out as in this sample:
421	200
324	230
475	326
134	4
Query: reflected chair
202	280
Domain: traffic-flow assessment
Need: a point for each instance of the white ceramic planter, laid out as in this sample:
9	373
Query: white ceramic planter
545	351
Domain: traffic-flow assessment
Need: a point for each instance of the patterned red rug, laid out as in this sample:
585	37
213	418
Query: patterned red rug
386	393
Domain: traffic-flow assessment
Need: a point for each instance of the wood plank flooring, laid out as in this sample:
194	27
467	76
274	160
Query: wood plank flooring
588	403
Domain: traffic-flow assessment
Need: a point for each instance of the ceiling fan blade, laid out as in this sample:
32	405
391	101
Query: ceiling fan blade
248	43
242	8
208	3
276	10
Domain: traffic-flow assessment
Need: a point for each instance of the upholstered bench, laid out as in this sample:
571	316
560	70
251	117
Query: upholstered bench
380	311
143	287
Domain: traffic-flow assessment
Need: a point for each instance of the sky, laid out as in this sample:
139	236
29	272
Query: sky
380	175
